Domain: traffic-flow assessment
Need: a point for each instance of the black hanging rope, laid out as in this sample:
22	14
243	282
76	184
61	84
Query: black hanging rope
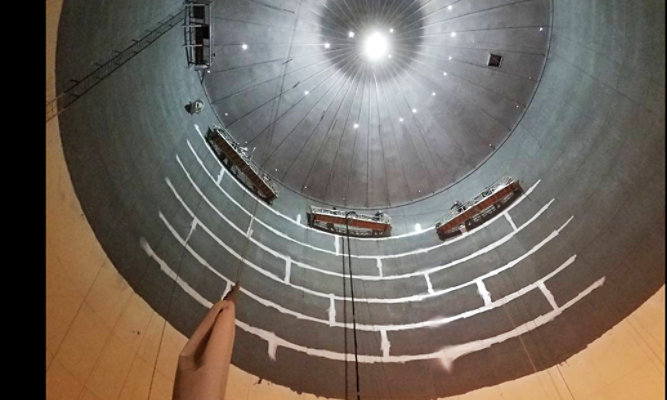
354	318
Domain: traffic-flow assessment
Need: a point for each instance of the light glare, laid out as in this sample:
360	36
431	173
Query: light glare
375	46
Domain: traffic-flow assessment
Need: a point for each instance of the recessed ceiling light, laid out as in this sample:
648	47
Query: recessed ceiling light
450	57
444	73
327	45
414	110
244	46
453	34
306	93
350	34
449	7
226	114
541	29
391	30
401	119
433	94
356	126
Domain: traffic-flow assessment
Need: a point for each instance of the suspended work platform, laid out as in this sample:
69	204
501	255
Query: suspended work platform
465	216
335	221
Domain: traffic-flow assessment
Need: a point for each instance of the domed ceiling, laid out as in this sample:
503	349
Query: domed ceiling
374	103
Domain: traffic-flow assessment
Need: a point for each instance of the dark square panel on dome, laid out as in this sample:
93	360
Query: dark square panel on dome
495	60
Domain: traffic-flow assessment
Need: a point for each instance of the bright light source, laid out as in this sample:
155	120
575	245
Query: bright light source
375	46
350	34
388	55
449	7
433	94
414	110
327	45
453	34
401	119
305	93
450	58
391	30
444	73
244	46
226	114
541	29
356	126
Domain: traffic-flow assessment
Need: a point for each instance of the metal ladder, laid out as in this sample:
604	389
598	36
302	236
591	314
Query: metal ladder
82	86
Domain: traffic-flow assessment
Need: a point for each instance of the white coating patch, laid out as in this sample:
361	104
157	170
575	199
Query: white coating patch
481	289
193	225
509	219
428	283
385	344
332	311
337	244
298	219
378	264
548	295
222	172
288	269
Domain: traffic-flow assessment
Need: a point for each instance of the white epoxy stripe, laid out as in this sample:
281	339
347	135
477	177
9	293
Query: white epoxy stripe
298	219
308	227
509	219
193	225
288	269
332	311
428	284
548	295
385	346
379	266
447	355
222	172
337	245
481	289
170	273
418	297
330	322
249	231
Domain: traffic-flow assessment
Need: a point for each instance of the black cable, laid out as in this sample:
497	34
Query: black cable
354	319
344	318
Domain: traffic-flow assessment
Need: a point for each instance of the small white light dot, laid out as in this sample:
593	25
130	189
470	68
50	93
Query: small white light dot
350	34
244	46
433	94
414	110
388	55
450	58
541	29
453	34
226	114
391	30
401	119
449	7
356	126
327	45
276	169
306	93
517	106
444	73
